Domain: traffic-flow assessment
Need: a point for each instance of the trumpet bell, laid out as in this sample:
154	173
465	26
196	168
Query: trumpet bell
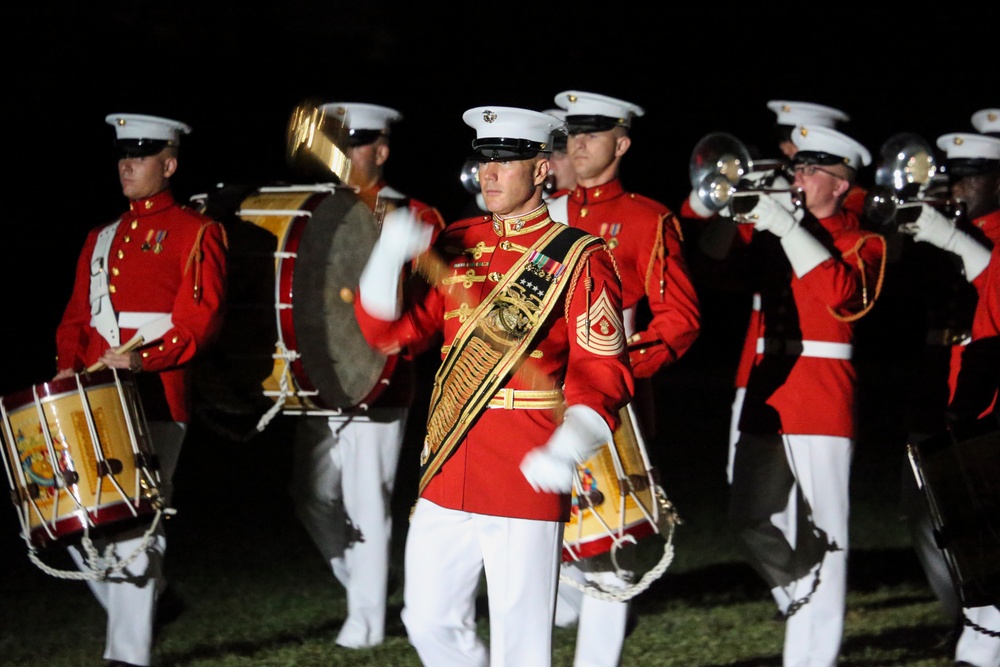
715	191
469	177
881	204
906	164
906	176
719	153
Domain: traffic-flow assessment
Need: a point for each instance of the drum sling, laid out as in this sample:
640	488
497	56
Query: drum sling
492	342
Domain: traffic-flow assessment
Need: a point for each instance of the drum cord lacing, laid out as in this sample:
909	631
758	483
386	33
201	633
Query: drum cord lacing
101	567
595	590
287	356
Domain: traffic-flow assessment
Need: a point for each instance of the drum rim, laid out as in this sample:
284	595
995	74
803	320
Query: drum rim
56	389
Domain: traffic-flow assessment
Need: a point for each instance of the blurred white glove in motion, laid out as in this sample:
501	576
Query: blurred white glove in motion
403	237
551	468
769	215
934	228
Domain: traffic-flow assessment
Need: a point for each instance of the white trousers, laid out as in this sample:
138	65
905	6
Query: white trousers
447	551
601	624
780	484
342	479
977	648
129	598
734	430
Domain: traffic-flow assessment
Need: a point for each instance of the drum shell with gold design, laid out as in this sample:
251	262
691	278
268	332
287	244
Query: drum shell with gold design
58	488
617	481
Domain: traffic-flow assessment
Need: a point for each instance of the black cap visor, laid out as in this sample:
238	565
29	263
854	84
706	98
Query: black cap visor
958	168
500	149
818	158
587	124
362	137
139	147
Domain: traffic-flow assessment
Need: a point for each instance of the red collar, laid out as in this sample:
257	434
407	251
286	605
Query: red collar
598	193
151	205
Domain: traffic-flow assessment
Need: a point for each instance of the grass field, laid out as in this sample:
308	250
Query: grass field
257	594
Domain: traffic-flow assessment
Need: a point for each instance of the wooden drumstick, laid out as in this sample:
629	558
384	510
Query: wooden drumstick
135	342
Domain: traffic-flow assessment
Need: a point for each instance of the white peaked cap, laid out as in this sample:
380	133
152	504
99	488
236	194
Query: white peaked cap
358	116
969	145
806	113
138	126
986	121
820	139
580	103
510	122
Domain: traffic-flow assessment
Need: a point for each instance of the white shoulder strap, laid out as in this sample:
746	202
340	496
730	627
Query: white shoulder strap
102	315
558	209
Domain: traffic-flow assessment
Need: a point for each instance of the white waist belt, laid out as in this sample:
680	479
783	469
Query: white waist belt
136	320
805	348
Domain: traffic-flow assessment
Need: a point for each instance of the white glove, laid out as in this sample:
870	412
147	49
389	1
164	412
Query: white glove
934	228
403	237
804	251
771	216
551	468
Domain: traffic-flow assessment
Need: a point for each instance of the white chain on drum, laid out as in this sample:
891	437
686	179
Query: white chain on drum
101	567
595	590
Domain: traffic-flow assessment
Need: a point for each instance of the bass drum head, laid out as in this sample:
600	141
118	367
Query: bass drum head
294	261
332	253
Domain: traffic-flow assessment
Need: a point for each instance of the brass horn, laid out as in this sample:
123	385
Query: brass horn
907	176
719	169
469	177
311	133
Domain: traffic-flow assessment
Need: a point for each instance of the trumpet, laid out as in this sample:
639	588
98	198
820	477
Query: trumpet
722	172
469	177
906	177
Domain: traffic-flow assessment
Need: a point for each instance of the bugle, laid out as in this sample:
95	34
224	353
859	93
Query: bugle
907	176
722	172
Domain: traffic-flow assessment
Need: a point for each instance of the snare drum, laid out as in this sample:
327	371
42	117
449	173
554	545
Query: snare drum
78	455
290	337
614	497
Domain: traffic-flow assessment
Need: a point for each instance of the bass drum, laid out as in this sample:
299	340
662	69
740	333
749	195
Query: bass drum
290	339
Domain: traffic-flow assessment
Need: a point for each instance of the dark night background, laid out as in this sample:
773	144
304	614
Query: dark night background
234	70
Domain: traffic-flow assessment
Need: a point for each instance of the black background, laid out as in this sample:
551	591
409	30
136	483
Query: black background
235	70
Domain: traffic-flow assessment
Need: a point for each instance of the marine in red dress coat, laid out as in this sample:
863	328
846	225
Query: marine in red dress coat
483	475
164	258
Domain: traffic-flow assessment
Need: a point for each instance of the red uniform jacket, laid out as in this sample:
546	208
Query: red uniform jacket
164	258
483	475
803	380
645	238
987	229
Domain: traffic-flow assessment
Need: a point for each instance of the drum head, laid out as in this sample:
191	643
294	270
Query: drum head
334	248
294	262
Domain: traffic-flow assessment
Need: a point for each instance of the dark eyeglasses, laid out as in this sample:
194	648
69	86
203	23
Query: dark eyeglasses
810	169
